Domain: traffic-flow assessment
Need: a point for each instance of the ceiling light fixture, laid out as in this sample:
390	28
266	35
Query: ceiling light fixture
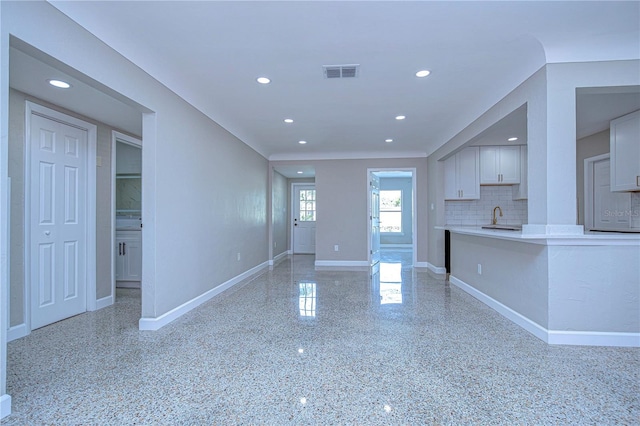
400	117
512	139
388	140
59	84
263	80
288	120
302	142
300	172
423	73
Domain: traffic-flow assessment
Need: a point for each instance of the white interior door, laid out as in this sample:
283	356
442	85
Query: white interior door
58	214
304	219
374	217
610	209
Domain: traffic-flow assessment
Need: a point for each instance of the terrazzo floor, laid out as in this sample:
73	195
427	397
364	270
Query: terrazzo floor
299	346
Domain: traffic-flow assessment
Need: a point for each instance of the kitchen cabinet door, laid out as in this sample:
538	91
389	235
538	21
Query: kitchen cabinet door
625	153
461	175
499	165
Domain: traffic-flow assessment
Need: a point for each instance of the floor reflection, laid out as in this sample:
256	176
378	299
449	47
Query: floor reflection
386	277
307	300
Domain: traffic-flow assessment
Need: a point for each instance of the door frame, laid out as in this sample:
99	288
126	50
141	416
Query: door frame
295	185
90	231
129	140
414	254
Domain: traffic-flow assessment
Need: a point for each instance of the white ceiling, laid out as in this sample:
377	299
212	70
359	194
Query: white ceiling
211	52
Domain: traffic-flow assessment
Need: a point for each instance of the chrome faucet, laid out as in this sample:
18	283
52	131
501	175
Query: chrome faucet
495	219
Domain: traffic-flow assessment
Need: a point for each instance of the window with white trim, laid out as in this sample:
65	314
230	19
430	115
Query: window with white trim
391	211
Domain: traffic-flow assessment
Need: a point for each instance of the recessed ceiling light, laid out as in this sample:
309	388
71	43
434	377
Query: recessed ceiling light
59	84
300	172
263	80
400	117
288	120
302	142
512	139
423	73
388	140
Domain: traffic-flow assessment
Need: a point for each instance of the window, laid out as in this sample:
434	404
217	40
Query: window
391	211
308	205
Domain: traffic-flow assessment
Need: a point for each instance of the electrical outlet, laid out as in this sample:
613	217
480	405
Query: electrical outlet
238	257
336	248
275	244
479	269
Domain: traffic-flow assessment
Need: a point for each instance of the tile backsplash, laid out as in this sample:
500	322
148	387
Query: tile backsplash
478	212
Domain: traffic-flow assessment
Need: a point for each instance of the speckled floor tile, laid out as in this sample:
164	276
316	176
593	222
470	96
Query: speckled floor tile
299	346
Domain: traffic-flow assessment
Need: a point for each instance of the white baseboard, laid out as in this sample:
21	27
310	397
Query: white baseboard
552	337
398	247
440	270
17	332
104	302
5	406
342	263
279	257
153	324
594	338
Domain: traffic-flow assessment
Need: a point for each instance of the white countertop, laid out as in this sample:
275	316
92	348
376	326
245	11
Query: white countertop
589	238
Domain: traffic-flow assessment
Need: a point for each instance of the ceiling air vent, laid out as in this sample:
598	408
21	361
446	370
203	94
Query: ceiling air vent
340	71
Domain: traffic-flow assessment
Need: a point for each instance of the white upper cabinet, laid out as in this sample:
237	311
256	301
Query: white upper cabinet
499	165
462	175
625	153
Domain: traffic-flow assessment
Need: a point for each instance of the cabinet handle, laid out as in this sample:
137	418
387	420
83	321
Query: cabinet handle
119	249
637	180
124	249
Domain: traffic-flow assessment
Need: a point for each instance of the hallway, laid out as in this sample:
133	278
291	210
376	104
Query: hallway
299	346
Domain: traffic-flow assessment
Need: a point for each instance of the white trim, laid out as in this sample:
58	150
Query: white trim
342	263
104	302
347	155
115	138
414	208
279	257
153	324
594	338
519	319
92	138
5	406
552	337
440	270
398	247
17	332
588	189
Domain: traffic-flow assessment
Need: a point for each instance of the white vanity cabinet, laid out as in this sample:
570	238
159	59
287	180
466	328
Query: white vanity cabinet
128	256
499	165
462	175
625	152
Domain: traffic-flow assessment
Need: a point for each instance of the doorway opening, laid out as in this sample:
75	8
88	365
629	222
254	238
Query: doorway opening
303	220
126	199
391	213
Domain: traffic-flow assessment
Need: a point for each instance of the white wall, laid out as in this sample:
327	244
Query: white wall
204	192
342	218
279	209
513	273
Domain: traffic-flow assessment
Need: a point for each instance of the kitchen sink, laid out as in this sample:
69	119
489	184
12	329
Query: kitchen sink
504	227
